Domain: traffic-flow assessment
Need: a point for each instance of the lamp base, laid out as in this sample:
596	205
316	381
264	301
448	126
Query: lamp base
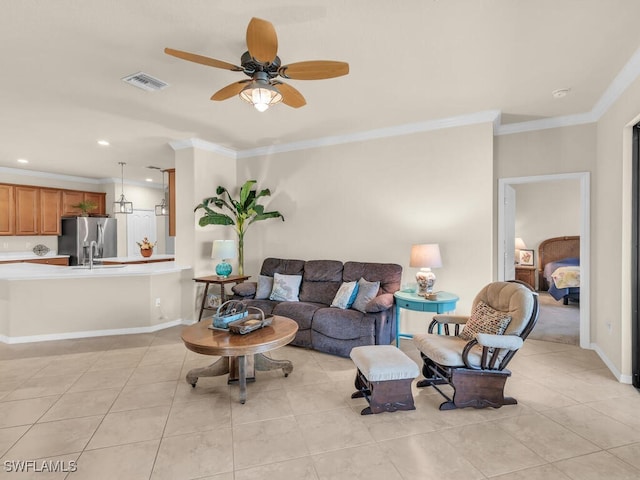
426	280
223	269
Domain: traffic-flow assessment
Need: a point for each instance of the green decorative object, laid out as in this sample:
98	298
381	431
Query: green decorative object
85	207
243	212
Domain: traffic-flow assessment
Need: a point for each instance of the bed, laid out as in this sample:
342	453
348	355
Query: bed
559	268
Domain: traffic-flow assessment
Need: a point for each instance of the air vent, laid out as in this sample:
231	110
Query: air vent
145	82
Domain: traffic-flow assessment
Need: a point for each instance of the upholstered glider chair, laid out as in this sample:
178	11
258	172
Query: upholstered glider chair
471	353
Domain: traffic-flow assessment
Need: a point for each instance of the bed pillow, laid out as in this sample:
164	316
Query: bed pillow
484	319
367	291
285	287
346	295
265	285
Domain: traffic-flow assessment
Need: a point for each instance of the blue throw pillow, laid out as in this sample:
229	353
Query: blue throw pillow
367	291
345	296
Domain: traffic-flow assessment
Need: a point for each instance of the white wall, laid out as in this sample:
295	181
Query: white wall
370	201
546	210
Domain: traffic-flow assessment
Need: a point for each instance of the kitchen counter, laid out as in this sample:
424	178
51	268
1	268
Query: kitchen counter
27	256
138	259
48	302
33	271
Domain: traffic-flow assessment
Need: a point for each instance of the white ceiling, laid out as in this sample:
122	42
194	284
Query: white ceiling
410	61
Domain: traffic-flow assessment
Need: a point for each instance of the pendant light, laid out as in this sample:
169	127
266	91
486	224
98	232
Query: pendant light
162	209
122	206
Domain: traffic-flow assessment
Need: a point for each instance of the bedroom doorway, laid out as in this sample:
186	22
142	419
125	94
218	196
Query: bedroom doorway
506	231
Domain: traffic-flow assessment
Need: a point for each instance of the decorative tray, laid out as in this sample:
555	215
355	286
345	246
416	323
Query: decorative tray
252	322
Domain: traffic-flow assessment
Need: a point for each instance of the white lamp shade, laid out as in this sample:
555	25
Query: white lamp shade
224	249
425	256
520	245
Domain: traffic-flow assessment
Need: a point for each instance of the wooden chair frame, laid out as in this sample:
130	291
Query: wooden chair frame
475	386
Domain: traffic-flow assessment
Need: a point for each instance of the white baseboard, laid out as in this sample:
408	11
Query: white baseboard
621	378
92	333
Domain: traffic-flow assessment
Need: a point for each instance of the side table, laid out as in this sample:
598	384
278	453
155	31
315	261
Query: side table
222	281
444	302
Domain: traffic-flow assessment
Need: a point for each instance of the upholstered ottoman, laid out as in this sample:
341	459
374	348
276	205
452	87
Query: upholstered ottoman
384	378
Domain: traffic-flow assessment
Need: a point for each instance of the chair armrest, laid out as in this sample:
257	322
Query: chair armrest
380	303
508	342
245	289
459	319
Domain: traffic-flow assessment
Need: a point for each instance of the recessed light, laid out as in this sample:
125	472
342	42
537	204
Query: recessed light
148	180
560	93
104	143
23	160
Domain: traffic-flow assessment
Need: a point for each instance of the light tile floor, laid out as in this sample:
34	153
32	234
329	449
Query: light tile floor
119	408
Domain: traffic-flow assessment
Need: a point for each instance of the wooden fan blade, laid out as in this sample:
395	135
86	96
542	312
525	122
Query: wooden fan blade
211	62
314	70
262	40
291	96
229	91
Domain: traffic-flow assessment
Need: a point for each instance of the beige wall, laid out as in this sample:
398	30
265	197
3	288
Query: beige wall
370	201
546	210
611	234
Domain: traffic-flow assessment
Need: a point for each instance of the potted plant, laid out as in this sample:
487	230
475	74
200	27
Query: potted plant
146	247
85	207
243	212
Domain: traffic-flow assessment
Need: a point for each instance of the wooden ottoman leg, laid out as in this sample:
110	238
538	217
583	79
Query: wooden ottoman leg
362	387
390	396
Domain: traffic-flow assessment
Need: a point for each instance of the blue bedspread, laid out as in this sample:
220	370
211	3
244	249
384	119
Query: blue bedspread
560	293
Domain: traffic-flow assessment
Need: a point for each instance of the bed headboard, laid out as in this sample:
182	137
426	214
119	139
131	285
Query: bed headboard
554	249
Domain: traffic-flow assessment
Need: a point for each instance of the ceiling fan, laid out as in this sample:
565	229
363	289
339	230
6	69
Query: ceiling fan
263	66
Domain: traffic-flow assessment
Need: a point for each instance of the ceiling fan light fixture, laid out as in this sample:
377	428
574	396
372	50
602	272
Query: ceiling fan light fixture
261	95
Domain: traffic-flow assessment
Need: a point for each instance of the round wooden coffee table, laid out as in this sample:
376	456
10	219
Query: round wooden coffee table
241	354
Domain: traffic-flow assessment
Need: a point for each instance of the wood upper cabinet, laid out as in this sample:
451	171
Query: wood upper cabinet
99	199
73	197
50	210
172	201
27	210
7	210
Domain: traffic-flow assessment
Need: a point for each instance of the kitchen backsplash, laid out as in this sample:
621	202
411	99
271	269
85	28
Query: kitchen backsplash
26	244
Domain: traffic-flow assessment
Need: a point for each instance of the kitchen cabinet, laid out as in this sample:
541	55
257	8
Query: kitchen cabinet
33	210
27	210
50	210
172	201
7	210
63	261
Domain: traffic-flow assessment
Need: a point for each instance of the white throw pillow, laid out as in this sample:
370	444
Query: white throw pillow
285	287
345	296
367	291
265	285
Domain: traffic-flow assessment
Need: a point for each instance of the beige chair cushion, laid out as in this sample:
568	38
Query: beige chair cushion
514	299
379	363
445	349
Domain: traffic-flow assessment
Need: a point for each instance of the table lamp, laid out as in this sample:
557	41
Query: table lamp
520	245
425	257
224	250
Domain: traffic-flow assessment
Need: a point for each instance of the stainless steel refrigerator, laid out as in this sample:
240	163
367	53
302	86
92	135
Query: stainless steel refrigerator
79	232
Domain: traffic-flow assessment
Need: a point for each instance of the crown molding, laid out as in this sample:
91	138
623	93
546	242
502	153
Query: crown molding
203	145
57	176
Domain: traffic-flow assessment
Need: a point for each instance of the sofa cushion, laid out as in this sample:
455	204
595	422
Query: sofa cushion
347	325
388	274
300	312
285	287
265	305
264	287
320	281
367	291
346	295
271	266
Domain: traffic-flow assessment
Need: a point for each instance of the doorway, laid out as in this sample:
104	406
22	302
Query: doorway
506	230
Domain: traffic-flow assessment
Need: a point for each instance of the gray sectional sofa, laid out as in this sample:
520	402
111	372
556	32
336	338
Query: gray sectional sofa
323	327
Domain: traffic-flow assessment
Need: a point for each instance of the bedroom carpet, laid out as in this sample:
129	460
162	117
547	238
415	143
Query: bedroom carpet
557	322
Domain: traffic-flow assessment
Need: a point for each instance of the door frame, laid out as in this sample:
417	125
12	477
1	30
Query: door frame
508	222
